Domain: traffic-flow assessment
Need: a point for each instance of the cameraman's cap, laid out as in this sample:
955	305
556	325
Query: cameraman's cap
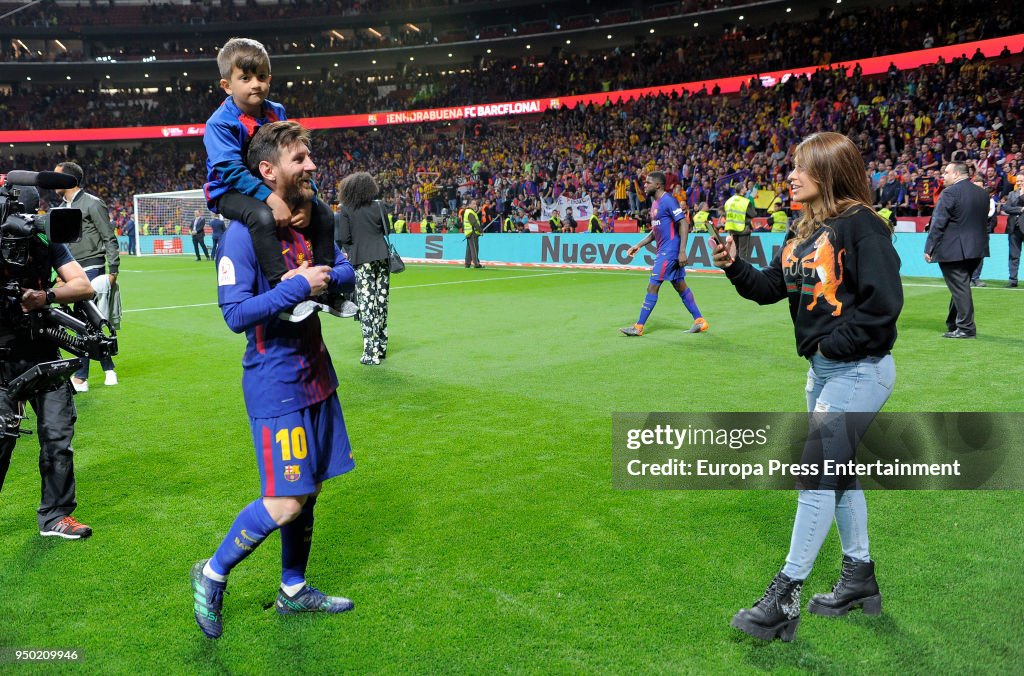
29	198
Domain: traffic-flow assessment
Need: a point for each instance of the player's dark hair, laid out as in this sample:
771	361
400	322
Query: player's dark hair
658	176
269	139
245	54
72	169
358	189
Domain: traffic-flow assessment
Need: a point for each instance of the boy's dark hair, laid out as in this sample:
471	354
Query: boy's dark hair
358	189
72	169
245	54
269	139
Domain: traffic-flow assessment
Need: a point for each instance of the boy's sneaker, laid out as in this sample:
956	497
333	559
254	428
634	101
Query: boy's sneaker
207	601
301	312
338	305
310	600
68	528
699	326
80	385
110	378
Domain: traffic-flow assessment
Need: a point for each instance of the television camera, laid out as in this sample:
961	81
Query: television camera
25	264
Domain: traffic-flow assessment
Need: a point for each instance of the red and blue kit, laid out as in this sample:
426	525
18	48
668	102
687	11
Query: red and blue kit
288	380
226	138
665	213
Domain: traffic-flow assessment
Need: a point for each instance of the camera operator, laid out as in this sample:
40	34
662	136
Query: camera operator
55	411
98	242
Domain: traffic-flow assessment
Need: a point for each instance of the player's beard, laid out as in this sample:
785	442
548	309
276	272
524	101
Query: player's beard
299	191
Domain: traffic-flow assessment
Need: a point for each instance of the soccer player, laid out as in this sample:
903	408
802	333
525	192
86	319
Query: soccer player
289	385
669	230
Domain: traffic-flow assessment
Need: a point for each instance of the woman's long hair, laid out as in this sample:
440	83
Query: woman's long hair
835	164
358	189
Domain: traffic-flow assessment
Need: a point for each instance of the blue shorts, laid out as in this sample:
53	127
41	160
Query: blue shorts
667	269
298	450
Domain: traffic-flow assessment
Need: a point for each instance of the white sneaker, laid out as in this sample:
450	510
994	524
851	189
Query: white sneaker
80	386
301	312
111	378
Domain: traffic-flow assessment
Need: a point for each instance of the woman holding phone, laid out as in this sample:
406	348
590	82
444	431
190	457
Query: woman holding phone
840	274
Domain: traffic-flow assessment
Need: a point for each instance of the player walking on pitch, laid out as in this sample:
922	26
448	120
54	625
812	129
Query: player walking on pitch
289	385
669	230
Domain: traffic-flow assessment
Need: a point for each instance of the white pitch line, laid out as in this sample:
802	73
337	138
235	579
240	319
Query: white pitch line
411	286
491	279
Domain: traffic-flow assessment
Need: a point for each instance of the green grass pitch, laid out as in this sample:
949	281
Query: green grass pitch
479	532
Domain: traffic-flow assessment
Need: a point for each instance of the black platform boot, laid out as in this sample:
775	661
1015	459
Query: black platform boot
776	615
856	587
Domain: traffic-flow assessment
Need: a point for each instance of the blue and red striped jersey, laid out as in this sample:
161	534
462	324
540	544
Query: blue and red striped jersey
665	213
286	366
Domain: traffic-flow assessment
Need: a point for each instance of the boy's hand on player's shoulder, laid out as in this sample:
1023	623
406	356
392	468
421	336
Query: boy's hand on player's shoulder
302	216
282	214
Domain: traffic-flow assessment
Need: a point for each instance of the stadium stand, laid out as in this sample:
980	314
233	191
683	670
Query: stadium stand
905	122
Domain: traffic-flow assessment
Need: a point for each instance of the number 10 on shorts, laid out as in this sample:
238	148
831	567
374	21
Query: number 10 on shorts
292	442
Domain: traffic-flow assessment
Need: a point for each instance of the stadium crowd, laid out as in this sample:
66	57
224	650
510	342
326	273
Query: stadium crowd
668	60
906	123
50	13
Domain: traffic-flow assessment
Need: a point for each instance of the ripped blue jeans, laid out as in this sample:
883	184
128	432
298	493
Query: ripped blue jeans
861	386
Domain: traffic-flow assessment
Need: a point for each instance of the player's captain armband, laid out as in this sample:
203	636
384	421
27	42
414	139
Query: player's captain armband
225	272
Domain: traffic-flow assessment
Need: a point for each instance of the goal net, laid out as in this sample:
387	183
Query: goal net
163	221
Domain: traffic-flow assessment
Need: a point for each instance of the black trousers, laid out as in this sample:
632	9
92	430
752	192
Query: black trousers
961	304
473	251
56	416
258	217
200	241
1015	236
744	245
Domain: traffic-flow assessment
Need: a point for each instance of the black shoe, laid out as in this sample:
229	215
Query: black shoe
310	600
776	615
857	586
958	333
207	601
1012	284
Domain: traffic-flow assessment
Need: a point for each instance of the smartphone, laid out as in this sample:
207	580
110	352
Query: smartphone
713	232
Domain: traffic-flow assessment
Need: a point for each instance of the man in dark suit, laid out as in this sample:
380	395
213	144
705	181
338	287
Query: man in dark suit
957	241
1013	208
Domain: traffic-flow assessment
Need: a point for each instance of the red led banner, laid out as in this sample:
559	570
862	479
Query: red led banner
728	85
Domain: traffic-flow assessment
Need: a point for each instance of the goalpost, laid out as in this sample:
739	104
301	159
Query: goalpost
163	221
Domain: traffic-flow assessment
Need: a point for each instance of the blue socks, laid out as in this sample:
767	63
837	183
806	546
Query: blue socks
690	303
645	311
251	527
296	541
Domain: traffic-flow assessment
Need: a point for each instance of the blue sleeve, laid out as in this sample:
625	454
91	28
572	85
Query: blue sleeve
238	276
343	276
238	176
224	151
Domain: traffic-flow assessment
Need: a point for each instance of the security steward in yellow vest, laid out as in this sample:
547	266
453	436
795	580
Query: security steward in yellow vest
595	224
508	225
700	219
555	222
471	229
739	212
400	226
887	214
780	221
